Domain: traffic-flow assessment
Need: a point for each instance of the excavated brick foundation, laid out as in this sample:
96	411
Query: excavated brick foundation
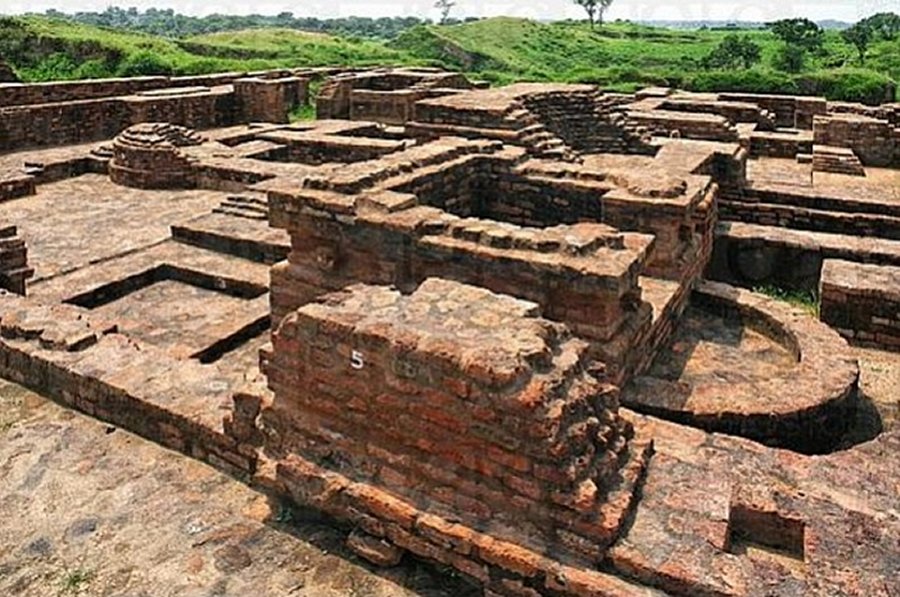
428	314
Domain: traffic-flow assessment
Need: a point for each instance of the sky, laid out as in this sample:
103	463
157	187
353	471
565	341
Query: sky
635	10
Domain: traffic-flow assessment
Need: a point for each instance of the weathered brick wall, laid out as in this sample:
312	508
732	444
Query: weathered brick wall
790	111
269	100
733	111
459	400
386	96
13	186
388	107
96	120
14	270
780	144
201	110
707	127
70	91
68	121
770	207
871	139
486	188
584	275
862	302
314	149
64	355
61	123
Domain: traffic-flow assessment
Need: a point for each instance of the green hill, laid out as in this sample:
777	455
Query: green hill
625	56
42	49
618	56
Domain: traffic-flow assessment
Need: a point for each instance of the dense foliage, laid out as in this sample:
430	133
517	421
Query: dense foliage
171	24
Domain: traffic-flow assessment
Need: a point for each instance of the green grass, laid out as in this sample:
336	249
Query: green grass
74	581
806	300
43	49
625	56
618	56
307	111
303	48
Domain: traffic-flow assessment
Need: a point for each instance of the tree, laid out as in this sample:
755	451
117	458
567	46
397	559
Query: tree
595	9
734	52
859	36
799	36
802	33
885	25
790	58
445	6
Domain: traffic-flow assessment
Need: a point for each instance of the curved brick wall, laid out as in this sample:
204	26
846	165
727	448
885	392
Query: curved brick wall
803	408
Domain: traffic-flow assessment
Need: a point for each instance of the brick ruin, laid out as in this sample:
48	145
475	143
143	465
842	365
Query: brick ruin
498	329
387	96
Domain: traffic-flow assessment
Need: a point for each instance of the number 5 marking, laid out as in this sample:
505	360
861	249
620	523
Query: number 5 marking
356	360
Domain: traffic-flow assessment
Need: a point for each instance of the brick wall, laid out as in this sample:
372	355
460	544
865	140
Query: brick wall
862	302
269	100
61	123
790	111
708	127
386	96
585	275
68	121
871	139
69	91
388	107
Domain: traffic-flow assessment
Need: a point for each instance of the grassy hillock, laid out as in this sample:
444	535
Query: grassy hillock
43	49
300	48
626	56
618	56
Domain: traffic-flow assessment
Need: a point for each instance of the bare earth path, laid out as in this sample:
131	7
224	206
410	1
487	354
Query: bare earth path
89	510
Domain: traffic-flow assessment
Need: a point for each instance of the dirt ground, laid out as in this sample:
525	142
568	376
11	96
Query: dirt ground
880	383
86	509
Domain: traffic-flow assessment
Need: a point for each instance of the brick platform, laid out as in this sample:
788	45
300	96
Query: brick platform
423	399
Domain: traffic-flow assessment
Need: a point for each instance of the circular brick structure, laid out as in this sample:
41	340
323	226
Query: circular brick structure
148	156
755	367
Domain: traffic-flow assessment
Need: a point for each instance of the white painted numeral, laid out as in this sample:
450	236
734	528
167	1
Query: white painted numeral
356	360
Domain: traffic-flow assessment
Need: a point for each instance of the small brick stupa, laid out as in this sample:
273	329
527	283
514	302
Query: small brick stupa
147	156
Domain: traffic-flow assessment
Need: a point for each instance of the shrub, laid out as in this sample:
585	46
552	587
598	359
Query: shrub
790	58
849	85
754	80
94	69
57	66
145	63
